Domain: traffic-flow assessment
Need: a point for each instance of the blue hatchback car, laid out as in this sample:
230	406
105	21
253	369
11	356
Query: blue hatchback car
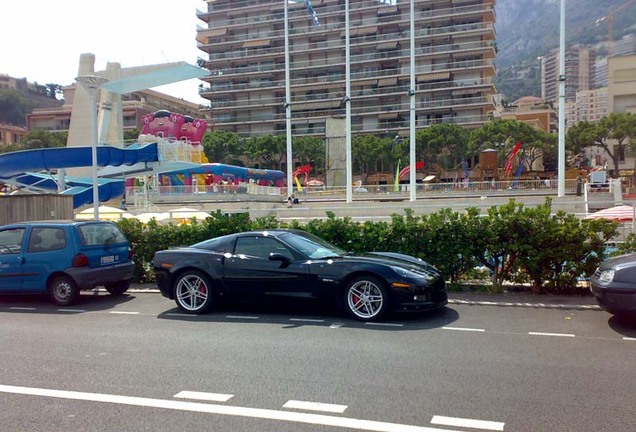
63	258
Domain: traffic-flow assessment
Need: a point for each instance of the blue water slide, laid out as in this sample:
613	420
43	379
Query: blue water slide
18	167
232	171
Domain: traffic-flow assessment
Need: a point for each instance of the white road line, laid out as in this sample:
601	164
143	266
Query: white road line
124	313
307	320
315	406
214	397
267	414
629	339
551	334
467	423
241	317
336	325
468	329
72	310
384	324
23	308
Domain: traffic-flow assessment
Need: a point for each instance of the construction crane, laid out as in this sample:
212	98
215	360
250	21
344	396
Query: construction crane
609	19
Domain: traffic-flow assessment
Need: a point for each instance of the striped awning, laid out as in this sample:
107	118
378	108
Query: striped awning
257	43
387	45
435	76
385	82
203	35
388	116
319	104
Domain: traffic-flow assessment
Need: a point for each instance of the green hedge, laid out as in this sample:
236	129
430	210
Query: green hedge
516	244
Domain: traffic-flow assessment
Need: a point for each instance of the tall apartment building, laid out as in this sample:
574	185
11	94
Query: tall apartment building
245	46
588	105
579	73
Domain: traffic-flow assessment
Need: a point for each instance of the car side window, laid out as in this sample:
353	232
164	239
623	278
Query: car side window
11	241
260	247
46	239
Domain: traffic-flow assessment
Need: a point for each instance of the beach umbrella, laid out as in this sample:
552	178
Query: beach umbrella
622	213
105	213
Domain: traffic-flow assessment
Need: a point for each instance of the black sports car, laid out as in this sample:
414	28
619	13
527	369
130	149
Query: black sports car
296	263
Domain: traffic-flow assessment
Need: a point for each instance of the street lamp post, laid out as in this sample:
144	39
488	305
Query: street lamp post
92	84
290	166
561	164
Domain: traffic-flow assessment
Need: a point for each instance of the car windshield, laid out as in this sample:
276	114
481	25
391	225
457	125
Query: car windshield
311	246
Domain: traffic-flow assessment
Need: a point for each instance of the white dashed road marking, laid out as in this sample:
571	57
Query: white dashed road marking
384	324
464	329
124	313
629	339
315	406
259	413
467	423
213	397
307	320
551	334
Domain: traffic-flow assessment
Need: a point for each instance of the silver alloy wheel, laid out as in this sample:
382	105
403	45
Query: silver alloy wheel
192	292
365	299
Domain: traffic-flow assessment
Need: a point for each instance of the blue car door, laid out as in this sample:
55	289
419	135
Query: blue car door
11	259
47	251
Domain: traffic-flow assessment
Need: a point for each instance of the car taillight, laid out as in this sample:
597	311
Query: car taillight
80	260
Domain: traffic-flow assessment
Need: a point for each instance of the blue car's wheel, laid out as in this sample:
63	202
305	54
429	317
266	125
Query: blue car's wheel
193	292
63	290
366	299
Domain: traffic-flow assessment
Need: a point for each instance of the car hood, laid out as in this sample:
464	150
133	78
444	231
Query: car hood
619	262
394	259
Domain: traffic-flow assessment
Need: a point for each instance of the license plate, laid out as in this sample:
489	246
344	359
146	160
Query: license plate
107	259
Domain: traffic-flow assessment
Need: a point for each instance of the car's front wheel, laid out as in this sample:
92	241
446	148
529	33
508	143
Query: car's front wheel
117	288
193	292
366	299
63	290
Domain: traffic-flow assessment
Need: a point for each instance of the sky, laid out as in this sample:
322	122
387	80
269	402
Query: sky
43	39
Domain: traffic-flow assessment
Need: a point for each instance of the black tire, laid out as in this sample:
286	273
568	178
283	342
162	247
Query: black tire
193	292
366	299
117	288
63	291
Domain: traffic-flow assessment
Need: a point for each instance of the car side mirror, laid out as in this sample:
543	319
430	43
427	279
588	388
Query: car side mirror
284	260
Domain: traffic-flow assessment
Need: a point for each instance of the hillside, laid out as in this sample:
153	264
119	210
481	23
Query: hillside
530	28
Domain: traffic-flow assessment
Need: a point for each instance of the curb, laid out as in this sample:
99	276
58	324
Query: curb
526	305
535	305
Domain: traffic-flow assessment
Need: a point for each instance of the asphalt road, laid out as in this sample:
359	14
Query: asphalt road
137	364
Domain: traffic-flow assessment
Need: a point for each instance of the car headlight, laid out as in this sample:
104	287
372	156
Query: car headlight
606	276
406	273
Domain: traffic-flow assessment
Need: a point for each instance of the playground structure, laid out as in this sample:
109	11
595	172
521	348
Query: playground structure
168	147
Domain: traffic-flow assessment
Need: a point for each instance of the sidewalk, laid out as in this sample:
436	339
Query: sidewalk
507	299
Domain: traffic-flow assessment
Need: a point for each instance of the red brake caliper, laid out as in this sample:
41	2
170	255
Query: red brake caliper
202	288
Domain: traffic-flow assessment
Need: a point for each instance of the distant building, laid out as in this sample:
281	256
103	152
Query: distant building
579	73
531	110
622	84
11	134
245	47
589	105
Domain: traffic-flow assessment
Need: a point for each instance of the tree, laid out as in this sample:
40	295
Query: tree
503	135
366	150
620	127
221	146
38	139
444	144
270	150
14	107
306	149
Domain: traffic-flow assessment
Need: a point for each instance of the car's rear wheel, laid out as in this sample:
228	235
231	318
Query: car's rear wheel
117	288
63	290
366	298
193	292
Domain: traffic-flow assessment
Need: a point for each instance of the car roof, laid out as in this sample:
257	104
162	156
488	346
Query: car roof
64	222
